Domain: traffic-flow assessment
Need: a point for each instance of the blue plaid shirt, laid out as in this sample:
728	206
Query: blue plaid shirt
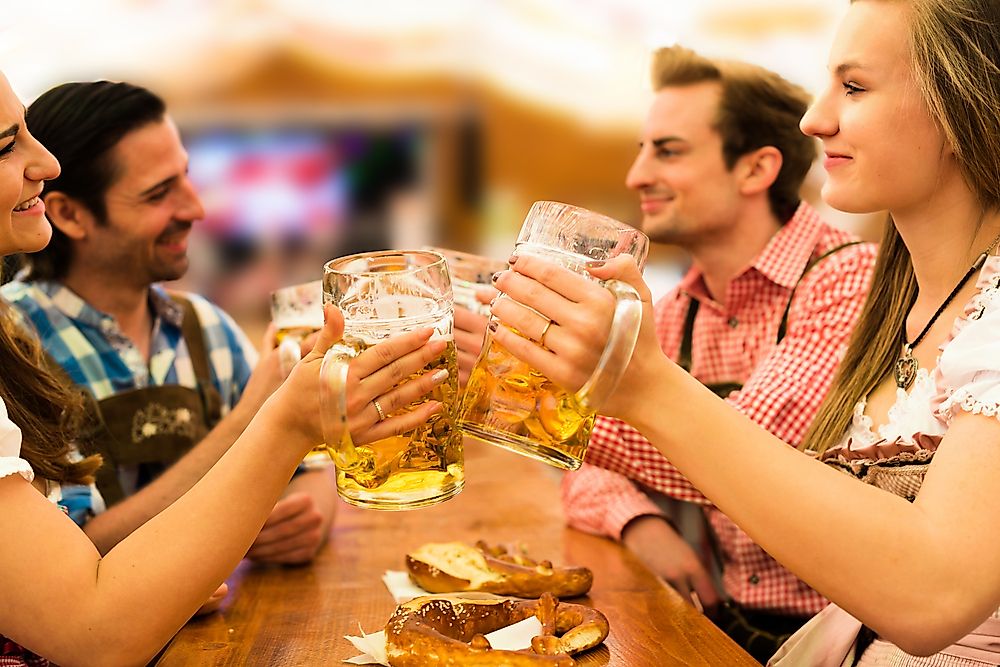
89	345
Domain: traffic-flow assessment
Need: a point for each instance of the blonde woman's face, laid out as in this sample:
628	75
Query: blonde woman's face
24	165
882	149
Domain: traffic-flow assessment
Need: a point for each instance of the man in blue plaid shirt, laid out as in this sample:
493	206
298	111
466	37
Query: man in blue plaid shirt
171	376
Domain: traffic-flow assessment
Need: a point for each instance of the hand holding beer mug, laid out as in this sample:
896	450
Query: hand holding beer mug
512	405
296	312
382	294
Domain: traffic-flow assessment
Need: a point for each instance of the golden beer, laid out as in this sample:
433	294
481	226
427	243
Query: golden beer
383	294
417	468
510	404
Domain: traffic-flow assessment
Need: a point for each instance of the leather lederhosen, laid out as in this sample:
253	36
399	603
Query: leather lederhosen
152	427
758	632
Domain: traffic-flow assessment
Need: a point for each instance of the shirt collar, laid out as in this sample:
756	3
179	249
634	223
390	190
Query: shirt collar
73	306
786	255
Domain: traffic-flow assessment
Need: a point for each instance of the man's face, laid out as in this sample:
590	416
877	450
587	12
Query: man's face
151	206
686	192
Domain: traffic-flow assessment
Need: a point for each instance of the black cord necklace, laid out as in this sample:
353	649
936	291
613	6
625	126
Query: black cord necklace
907	365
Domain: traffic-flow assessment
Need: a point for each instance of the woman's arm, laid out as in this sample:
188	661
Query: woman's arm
921	574
63	601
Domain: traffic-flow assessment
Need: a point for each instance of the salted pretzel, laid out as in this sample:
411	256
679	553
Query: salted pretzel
449	567
447	630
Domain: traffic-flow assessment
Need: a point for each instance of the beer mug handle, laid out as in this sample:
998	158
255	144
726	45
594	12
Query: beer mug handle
618	350
289	354
333	406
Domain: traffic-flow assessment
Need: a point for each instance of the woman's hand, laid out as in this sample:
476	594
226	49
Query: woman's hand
372	376
581	311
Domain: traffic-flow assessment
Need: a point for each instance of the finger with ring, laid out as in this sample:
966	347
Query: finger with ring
545	330
378	409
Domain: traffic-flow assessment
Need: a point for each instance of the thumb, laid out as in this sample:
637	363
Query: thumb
332	331
623	268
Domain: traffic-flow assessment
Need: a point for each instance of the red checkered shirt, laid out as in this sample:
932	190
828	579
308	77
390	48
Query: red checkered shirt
784	384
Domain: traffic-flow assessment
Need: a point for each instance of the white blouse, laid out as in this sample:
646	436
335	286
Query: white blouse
10	448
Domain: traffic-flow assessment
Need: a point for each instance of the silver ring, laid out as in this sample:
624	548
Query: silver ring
378	409
545	330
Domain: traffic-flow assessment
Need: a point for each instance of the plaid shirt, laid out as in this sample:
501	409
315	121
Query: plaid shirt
784	384
95	353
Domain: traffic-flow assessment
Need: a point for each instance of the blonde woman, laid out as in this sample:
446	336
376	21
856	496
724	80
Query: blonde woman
909	121
63	602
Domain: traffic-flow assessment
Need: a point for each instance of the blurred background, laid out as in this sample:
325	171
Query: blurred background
318	128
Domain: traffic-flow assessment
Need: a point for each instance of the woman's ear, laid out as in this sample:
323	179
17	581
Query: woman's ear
67	214
759	170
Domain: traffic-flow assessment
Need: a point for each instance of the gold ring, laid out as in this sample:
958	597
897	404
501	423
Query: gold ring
378	409
545	330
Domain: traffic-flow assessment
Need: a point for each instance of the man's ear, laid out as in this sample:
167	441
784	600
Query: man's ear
67	214
759	170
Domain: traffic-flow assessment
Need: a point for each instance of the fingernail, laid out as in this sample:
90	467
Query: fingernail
512	259
492	326
495	276
597	263
440	376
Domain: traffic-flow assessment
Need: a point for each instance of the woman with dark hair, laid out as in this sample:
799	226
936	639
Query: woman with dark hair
63	601
910	123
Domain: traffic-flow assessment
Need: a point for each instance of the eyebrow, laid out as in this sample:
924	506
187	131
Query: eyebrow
10	131
659	141
166	181
843	67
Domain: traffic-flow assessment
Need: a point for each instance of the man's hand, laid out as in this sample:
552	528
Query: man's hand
292	534
214	602
470	327
667	555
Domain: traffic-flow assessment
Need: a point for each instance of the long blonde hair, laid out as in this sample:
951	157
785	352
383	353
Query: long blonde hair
955	45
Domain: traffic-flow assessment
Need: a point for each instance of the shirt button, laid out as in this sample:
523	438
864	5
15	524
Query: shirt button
733	322
754	579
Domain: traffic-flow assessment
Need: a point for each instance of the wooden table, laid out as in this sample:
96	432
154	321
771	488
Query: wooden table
298	616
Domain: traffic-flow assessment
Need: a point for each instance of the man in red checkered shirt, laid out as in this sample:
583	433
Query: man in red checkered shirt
762	317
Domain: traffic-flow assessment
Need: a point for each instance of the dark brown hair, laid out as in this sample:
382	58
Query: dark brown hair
80	123
757	108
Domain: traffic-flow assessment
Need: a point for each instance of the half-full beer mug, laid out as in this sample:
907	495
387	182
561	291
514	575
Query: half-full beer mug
296	311
510	404
382	294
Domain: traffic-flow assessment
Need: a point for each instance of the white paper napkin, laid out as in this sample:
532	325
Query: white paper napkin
511	638
401	587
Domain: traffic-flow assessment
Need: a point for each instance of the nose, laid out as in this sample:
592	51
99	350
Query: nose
820	119
639	174
191	208
41	165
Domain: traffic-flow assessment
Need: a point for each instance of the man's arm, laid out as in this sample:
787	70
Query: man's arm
605	503
787	387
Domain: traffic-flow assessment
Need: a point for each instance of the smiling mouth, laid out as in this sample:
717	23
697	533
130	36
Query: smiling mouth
25	205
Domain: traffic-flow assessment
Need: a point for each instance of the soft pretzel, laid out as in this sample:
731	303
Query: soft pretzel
448	567
444	630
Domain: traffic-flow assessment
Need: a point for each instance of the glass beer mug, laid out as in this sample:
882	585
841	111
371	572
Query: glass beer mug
510	404
296	311
382	294
469	273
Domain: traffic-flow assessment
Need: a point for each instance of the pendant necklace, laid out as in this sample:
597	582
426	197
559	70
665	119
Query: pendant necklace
907	365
